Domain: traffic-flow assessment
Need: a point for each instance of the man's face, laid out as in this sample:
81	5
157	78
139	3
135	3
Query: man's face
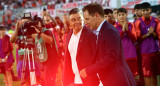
90	20
138	12
65	18
146	12
109	17
115	14
2	32
47	19
76	21
122	16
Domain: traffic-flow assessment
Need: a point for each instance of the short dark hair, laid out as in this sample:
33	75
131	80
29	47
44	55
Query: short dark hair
57	17
2	27
115	9
122	10
138	6
146	5
74	11
94	8
107	11
38	19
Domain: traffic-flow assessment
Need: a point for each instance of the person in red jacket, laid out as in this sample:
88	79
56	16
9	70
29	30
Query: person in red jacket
6	56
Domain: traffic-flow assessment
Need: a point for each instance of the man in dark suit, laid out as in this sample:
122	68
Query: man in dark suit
109	61
80	46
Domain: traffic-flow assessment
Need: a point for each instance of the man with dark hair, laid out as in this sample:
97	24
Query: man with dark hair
147	32
108	15
121	10
138	10
80	45
108	60
128	37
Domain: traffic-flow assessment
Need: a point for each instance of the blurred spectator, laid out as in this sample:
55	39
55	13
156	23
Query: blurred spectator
61	25
66	23
158	15
138	10
115	14
108	15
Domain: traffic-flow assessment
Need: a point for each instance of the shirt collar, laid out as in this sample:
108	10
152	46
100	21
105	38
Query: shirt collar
143	18
78	34
99	28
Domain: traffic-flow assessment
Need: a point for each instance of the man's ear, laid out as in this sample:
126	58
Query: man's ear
97	15
150	10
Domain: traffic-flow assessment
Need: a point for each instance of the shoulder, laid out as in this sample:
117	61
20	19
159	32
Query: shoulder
47	32
108	27
137	22
89	33
6	37
157	20
69	34
109	30
87	30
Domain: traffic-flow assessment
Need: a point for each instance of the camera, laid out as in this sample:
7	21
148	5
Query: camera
26	30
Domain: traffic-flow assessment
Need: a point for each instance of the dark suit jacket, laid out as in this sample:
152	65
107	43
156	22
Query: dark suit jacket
86	48
109	61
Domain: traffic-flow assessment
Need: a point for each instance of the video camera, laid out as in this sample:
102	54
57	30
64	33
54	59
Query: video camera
26	30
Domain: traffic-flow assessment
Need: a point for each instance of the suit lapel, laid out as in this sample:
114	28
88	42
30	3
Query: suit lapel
81	39
98	41
100	34
68	38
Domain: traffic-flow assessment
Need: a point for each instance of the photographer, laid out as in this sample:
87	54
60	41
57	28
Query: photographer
15	39
51	63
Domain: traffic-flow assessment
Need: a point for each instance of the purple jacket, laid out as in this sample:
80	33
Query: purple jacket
127	42
5	47
150	44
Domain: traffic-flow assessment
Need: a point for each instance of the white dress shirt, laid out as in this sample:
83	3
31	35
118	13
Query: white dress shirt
99	28
72	47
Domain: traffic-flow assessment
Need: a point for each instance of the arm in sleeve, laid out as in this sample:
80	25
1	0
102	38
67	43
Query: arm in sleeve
47	36
112	55
120	33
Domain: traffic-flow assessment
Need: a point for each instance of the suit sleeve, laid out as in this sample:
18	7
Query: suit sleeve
112	54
